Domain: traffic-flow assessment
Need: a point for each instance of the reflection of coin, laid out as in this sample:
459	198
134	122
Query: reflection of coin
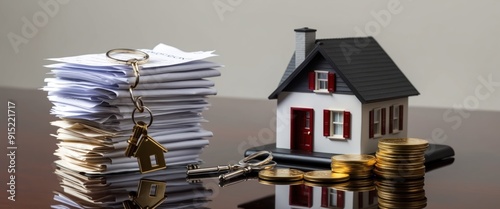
352	158
281	174
272	183
325	176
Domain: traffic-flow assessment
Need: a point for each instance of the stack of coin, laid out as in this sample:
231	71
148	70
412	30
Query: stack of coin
401	158
403	193
357	166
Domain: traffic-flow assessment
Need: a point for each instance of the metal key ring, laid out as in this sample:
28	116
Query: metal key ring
142	60
245	161
150	116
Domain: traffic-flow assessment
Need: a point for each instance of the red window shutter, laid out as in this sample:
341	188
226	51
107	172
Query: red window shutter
383	121
370	125
312	80
391	118
347	124
401	113
340	199
326	122
331	82
324	197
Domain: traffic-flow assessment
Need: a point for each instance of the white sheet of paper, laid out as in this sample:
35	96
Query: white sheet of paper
161	55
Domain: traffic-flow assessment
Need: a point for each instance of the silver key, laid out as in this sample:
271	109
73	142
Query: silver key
245	170
245	162
195	170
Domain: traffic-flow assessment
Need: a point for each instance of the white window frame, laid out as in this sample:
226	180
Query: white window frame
318	80
395	119
334	123
377	122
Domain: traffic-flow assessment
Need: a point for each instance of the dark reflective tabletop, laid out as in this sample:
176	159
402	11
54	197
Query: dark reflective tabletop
470	180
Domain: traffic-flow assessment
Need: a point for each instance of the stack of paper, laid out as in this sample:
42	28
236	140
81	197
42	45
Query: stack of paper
110	191
90	94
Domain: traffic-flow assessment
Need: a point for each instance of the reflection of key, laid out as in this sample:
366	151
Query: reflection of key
195	170
245	170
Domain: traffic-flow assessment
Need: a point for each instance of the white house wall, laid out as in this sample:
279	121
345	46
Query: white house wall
370	145
319	102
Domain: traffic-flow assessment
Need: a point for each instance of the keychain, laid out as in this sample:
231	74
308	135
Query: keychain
149	153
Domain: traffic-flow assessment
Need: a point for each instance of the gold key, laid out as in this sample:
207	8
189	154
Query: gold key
139	129
149	153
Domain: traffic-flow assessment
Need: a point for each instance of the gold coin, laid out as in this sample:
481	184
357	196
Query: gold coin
403	183
398	175
402	163
406	149
281	174
349	170
404	142
398	156
368	159
420	168
325	176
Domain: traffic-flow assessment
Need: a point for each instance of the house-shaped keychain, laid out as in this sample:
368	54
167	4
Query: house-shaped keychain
149	154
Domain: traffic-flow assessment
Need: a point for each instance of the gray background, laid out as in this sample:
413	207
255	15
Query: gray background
444	47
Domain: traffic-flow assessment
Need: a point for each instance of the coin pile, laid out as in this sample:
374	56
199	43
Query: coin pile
401	158
406	193
400	164
357	166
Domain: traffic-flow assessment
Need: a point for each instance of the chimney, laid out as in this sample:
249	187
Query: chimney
304	43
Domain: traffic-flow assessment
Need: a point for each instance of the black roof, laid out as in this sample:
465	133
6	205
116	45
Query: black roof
367	70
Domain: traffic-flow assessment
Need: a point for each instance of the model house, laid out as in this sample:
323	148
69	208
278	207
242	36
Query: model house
340	96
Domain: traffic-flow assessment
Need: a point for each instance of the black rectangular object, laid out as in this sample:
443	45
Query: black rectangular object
434	153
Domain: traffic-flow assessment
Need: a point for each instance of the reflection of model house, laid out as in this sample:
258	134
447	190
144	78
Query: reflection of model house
302	196
340	96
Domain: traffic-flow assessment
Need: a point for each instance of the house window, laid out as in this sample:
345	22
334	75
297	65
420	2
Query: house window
337	120
322	81
377	124
336	124
396	118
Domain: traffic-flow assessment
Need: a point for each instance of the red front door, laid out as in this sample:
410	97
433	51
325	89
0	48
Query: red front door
302	129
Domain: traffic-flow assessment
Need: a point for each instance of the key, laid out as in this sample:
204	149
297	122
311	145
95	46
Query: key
245	170
195	170
139	129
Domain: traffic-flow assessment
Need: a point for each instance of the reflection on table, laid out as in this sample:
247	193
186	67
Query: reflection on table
163	189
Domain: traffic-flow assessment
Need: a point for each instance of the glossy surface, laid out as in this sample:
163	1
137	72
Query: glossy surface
239	124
